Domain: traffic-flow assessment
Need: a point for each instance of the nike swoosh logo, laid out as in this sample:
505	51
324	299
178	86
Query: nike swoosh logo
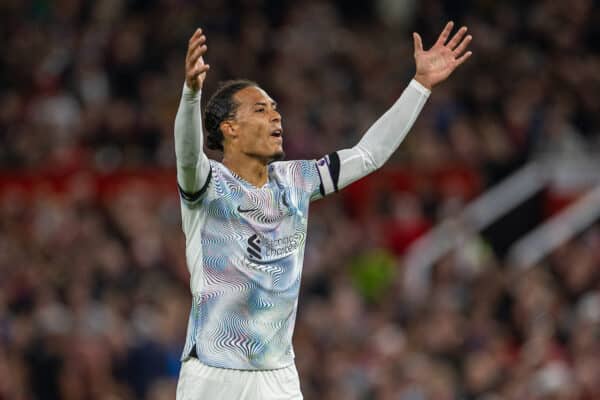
245	210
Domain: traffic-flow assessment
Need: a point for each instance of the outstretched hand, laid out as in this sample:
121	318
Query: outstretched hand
195	68
437	63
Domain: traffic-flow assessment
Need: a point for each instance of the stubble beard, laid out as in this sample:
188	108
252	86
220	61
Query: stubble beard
266	158
279	156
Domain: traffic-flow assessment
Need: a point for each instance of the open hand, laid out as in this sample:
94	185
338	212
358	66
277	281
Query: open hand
437	63
195	68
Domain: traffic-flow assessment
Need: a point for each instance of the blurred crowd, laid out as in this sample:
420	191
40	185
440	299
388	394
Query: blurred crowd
94	294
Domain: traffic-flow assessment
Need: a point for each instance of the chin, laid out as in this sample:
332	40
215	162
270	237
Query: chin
278	156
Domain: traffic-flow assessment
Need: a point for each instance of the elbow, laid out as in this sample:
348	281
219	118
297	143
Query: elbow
373	166
371	162
378	163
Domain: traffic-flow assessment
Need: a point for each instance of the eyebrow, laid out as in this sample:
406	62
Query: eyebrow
262	103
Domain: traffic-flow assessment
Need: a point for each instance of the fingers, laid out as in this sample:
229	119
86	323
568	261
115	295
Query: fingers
197	53
194	74
199	71
196	35
418	43
196	48
445	33
463	58
195	68
200	67
463	45
457	37
199	41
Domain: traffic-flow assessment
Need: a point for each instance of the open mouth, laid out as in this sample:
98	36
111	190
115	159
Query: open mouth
277	133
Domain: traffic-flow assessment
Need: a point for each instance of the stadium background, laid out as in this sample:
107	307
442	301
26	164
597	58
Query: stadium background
93	284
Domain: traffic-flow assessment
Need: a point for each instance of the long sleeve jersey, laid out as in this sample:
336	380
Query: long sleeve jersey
245	244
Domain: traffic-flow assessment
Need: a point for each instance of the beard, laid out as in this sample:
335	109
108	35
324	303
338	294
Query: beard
266	157
279	156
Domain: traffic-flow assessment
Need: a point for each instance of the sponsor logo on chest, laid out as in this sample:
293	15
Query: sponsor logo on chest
263	249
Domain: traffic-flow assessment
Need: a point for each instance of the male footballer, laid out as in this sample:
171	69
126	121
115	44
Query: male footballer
245	220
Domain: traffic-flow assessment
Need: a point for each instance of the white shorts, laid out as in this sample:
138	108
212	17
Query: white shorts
198	381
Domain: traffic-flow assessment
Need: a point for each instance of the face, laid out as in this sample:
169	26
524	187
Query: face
256	128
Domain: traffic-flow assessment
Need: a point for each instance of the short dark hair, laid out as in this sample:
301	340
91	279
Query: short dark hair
220	107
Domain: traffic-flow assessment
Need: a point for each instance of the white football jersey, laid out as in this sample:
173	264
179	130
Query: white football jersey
245	248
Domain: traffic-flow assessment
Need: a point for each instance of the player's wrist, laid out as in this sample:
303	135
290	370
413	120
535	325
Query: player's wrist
415	84
194	87
423	81
190	88
190	92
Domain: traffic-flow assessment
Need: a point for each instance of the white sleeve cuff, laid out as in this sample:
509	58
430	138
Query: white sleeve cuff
415	84
189	93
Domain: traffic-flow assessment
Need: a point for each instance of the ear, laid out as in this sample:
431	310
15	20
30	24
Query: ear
229	129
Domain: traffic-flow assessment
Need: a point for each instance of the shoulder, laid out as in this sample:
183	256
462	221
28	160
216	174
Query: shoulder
302	174
294	168
209	190
219	171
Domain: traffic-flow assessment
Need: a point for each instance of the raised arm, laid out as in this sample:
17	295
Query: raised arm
193	168
433	66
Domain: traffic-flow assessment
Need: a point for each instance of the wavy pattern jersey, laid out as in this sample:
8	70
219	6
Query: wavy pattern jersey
245	248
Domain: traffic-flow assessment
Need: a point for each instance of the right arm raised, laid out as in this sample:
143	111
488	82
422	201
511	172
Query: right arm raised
193	168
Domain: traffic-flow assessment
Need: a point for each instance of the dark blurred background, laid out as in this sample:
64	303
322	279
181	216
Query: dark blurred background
94	293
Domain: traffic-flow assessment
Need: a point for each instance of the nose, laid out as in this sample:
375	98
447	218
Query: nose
275	116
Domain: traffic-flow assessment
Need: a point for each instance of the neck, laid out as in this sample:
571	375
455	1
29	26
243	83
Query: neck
251	169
